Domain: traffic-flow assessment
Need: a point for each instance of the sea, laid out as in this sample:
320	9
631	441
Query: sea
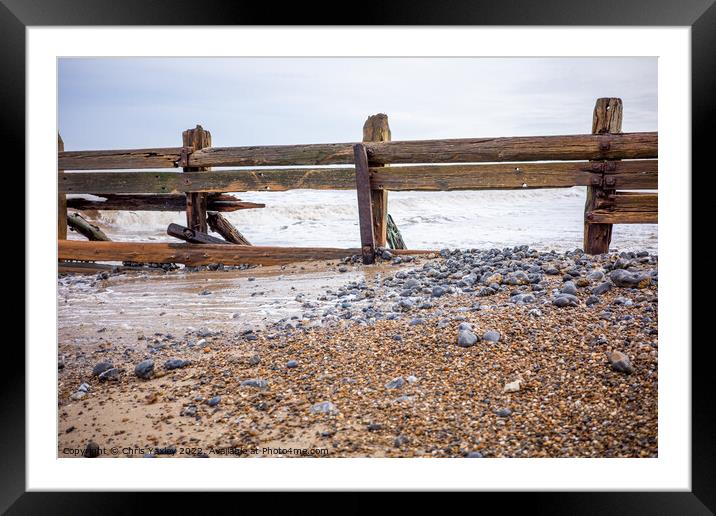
545	219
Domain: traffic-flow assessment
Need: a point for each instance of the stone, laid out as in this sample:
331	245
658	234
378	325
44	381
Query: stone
563	300
503	412
512	386
602	288
292	364
569	288
400	441
254	360
101	368
78	395
110	374
144	369
595	276
491	336
189	411
622	278
438	291
466	338
592	300
474	455
325	407
517	278
214	401
620	362
92	450
175	363
257	383
395	383
490	278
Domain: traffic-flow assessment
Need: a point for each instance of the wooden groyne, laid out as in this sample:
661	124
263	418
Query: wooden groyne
606	161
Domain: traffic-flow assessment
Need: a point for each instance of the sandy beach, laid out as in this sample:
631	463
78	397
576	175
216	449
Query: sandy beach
489	353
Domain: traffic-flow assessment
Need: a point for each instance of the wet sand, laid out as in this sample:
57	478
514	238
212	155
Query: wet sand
450	400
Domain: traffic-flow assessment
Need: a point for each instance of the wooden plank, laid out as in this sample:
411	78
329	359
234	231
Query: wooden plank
196	202
508	176
607	121
627	174
365	211
377	129
466	150
633	178
226	229
524	148
202	254
167	157
158	202
192	236
265	180
61	200
626	208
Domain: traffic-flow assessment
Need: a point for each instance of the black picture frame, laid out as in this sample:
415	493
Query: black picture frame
700	15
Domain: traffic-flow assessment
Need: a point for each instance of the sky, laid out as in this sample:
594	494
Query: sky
119	103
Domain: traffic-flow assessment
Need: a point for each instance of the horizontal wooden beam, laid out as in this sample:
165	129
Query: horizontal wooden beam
167	157
468	150
504	176
626	208
158	202
273	180
627	174
202	254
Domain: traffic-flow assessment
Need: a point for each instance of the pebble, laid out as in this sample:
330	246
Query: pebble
569	288
512	386
491	336
325	407
563	300
292	364
110	374
602	288
474	455
504	412
175	363
400	441
622	278
214	401
466	338
101	368
258	383
189	411
395	383
438	291
342	268
92	450
144	369
620	362
591	300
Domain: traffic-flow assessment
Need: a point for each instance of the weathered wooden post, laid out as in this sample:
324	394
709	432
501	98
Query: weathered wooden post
365	212
376	129
607	118
61	201
196	202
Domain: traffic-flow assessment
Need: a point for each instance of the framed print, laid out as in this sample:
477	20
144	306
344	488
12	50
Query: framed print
346	257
